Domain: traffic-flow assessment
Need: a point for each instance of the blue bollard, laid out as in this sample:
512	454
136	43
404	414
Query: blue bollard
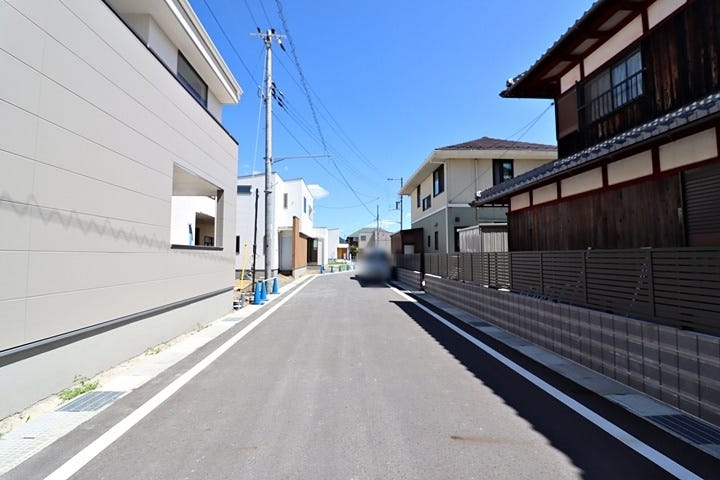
256	295
332	269
322	268
275	286
263	291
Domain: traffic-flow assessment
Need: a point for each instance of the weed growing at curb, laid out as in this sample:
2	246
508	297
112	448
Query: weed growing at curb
83	385
154	350
201	327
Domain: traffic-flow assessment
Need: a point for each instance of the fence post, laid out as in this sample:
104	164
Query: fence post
509	257
651	282
542	275
584	277
471	267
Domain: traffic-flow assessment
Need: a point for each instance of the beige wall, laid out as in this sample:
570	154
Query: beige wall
464	177
614	45
91	127
425	189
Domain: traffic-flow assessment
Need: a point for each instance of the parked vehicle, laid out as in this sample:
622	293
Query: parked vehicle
375	266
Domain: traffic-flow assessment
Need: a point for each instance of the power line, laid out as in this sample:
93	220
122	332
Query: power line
333	123
525	129
232	45
267	18
340	208
247	5
294	55
306	89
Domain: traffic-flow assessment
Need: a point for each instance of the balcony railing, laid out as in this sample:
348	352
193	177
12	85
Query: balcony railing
622	107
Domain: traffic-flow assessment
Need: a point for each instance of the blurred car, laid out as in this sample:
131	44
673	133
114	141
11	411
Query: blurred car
375	266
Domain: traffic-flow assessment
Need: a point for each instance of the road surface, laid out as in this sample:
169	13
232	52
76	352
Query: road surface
340	380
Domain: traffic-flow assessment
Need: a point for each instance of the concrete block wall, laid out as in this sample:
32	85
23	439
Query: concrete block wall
678	367
409	277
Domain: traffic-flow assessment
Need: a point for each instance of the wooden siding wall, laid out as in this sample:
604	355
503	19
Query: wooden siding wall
681	60
682	57
639	215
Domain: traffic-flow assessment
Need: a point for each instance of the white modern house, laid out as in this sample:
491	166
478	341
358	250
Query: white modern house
115	167
451	177
297	242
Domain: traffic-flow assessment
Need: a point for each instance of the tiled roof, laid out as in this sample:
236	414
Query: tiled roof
513	81
487	143
366	230
691	113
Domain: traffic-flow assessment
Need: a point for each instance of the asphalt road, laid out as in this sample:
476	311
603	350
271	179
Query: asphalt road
346	381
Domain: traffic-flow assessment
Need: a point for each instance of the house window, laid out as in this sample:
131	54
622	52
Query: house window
426	203
363	238
502	170
191	80
304	205
429	242
285	201
439	180
614	87
244	189
437	238
196	211
237	244
417	194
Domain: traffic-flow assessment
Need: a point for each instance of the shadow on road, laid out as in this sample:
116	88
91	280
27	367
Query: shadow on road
368	284
594	452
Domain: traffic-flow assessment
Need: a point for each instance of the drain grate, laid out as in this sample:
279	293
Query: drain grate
689	428
91	401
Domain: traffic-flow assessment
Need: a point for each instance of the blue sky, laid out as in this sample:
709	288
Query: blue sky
389	81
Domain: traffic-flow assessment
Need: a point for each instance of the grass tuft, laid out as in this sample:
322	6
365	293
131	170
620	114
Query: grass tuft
82	385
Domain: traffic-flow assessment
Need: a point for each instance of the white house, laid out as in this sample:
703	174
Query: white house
297	242
451	177
118	232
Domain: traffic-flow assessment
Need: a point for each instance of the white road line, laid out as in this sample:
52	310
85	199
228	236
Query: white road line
84	456
640	447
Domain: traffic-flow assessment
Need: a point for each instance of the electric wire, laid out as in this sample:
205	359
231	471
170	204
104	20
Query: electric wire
306	89
252	17
267	18
332	122
522	131
303	81
230	42
257	136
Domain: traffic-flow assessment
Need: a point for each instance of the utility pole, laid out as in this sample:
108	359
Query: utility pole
401	201
268	37
377	226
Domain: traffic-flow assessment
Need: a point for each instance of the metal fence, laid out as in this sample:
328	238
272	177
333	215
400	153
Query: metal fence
675	286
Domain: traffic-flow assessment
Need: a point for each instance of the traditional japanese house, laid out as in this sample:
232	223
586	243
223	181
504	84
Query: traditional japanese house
636	86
